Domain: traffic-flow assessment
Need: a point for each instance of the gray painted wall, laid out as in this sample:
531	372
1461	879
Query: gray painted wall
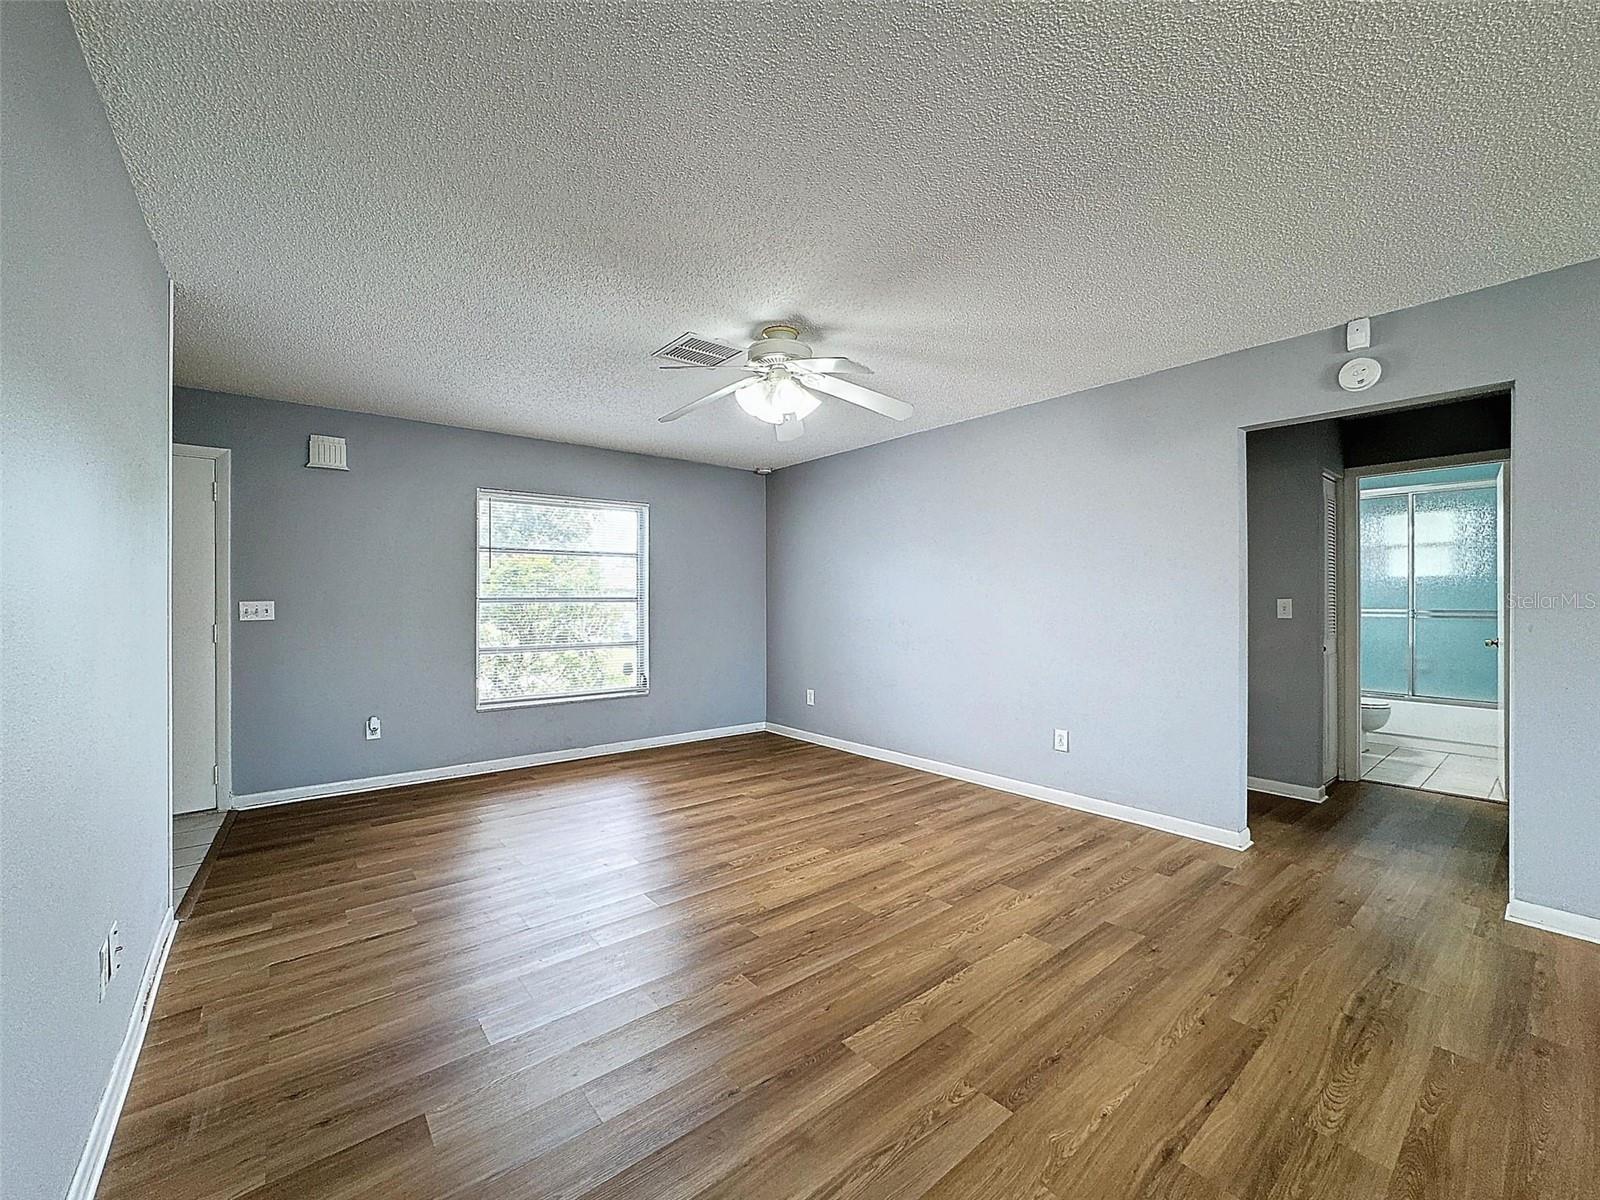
84	395
372	572
1081	563
1284	484
1284	481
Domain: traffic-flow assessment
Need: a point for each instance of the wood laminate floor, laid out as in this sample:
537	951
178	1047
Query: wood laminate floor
756	968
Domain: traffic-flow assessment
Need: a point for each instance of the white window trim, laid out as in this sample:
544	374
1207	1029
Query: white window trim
636	506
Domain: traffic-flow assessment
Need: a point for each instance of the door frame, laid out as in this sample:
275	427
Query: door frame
1350	603
223	617
1332	762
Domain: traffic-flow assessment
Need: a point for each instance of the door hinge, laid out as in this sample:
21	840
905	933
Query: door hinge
216	774
216	490
215	637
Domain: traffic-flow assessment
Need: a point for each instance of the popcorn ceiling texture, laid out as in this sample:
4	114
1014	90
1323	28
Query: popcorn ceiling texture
487	215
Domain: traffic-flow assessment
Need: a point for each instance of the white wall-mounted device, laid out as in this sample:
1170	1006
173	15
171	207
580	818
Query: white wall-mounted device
327	452
374	729
1285	609
1358	334
257	610
1359	374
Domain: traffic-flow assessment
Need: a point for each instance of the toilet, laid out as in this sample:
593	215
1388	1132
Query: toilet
1374	715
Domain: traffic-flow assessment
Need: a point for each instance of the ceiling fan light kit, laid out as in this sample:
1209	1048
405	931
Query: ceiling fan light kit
775	398
790	383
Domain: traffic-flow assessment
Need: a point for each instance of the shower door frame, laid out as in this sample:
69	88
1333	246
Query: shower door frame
1349	628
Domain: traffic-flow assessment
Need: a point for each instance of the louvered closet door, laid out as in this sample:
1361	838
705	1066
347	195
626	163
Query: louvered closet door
1330	628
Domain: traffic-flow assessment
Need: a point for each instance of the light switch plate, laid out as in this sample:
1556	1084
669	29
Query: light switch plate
256	610
1285	609
811	696
1062	742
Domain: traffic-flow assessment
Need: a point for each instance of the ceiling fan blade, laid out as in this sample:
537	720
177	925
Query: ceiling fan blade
854	393
848	365
703	401
790	429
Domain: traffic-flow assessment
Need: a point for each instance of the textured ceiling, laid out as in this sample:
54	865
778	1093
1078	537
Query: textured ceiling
488	215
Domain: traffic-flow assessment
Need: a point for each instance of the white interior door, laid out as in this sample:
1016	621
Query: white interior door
1330	628
194	646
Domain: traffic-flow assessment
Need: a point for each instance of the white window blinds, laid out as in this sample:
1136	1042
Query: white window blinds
562	599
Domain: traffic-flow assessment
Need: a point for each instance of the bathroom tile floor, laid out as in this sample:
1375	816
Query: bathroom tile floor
1432	770
192	835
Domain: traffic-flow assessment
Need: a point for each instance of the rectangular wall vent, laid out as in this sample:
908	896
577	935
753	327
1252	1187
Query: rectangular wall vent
692	350
327	452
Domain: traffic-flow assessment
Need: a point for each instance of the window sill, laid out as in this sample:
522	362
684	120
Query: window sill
499	705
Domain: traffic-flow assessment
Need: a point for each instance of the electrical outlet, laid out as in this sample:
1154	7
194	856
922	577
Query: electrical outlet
1062	743
1285	609
811	696
374	729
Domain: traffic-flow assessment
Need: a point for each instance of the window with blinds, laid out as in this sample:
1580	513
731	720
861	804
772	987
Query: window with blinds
562	599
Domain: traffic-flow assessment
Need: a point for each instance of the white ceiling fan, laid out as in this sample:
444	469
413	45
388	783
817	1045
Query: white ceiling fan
786	383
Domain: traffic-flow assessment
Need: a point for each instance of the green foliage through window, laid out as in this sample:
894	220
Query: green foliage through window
561	598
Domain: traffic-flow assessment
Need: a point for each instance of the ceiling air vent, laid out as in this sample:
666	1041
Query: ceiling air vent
692	350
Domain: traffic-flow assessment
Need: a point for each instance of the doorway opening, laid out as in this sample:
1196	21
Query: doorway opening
200	702
1377	573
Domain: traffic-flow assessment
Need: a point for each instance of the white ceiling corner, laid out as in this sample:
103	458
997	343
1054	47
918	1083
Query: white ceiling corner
488	215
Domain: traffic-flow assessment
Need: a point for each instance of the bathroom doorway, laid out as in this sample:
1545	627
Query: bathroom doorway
1425	635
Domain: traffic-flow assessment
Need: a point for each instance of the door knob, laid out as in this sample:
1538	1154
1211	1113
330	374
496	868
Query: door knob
1491	641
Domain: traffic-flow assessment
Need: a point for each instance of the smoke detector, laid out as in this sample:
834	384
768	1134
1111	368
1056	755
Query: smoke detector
1359	374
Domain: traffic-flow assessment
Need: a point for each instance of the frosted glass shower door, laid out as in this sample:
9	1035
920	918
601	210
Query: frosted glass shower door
1431	579
1457	570
1386	595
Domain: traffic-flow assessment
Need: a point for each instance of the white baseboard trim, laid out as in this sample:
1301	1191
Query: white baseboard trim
349	787
1213	834
93	1159
1437	745
1554	920
1294	791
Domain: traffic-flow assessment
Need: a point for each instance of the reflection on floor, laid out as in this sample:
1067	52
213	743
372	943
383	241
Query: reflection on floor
755	968
192	835
1406	766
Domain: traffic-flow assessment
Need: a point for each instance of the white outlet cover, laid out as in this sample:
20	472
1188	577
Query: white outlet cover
1285	609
